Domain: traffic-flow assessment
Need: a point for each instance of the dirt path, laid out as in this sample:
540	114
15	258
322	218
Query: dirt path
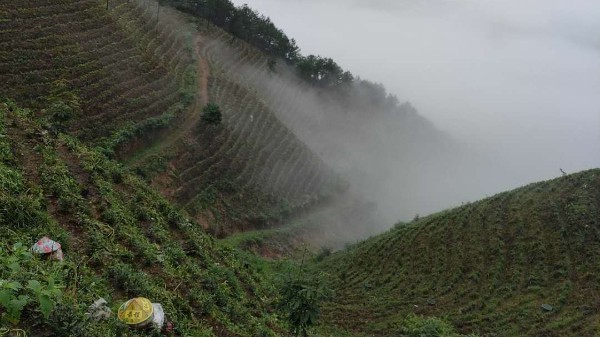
183	124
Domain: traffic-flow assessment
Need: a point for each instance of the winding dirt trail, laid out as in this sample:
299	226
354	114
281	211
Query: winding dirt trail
183	124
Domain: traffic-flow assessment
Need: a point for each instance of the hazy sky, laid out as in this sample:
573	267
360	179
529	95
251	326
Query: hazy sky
520	77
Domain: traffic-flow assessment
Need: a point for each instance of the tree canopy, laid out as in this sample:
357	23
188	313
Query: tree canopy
244	23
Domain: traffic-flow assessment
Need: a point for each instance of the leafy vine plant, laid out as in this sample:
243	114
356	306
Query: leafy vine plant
26	285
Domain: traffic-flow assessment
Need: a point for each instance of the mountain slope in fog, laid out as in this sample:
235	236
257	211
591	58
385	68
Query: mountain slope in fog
383	148
385	151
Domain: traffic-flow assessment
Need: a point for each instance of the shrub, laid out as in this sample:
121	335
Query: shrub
20	286
211	114
419	326
23	211
300	301
63	105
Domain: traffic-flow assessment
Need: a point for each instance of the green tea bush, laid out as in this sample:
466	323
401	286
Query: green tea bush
419	326
211	114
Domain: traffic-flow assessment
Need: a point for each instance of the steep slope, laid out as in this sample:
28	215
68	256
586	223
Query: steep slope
124	65
120	238
136	75
246	173
282	137
351	123
118	82
488	267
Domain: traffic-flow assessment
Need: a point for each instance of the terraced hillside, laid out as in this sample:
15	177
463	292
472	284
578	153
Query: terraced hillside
350	128
136	75
487	267
124	66
245	173
120	238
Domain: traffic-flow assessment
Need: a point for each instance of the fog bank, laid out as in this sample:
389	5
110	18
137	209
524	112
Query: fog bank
517	81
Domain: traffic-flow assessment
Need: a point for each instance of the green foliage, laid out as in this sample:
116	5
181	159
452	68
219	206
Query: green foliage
20	205
57	180
128	241
419	326
132	130
154	164
322	72
301	297
246	24
129	280
211	114
45	295
63	105
486	267
21	211
20	285
189	87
